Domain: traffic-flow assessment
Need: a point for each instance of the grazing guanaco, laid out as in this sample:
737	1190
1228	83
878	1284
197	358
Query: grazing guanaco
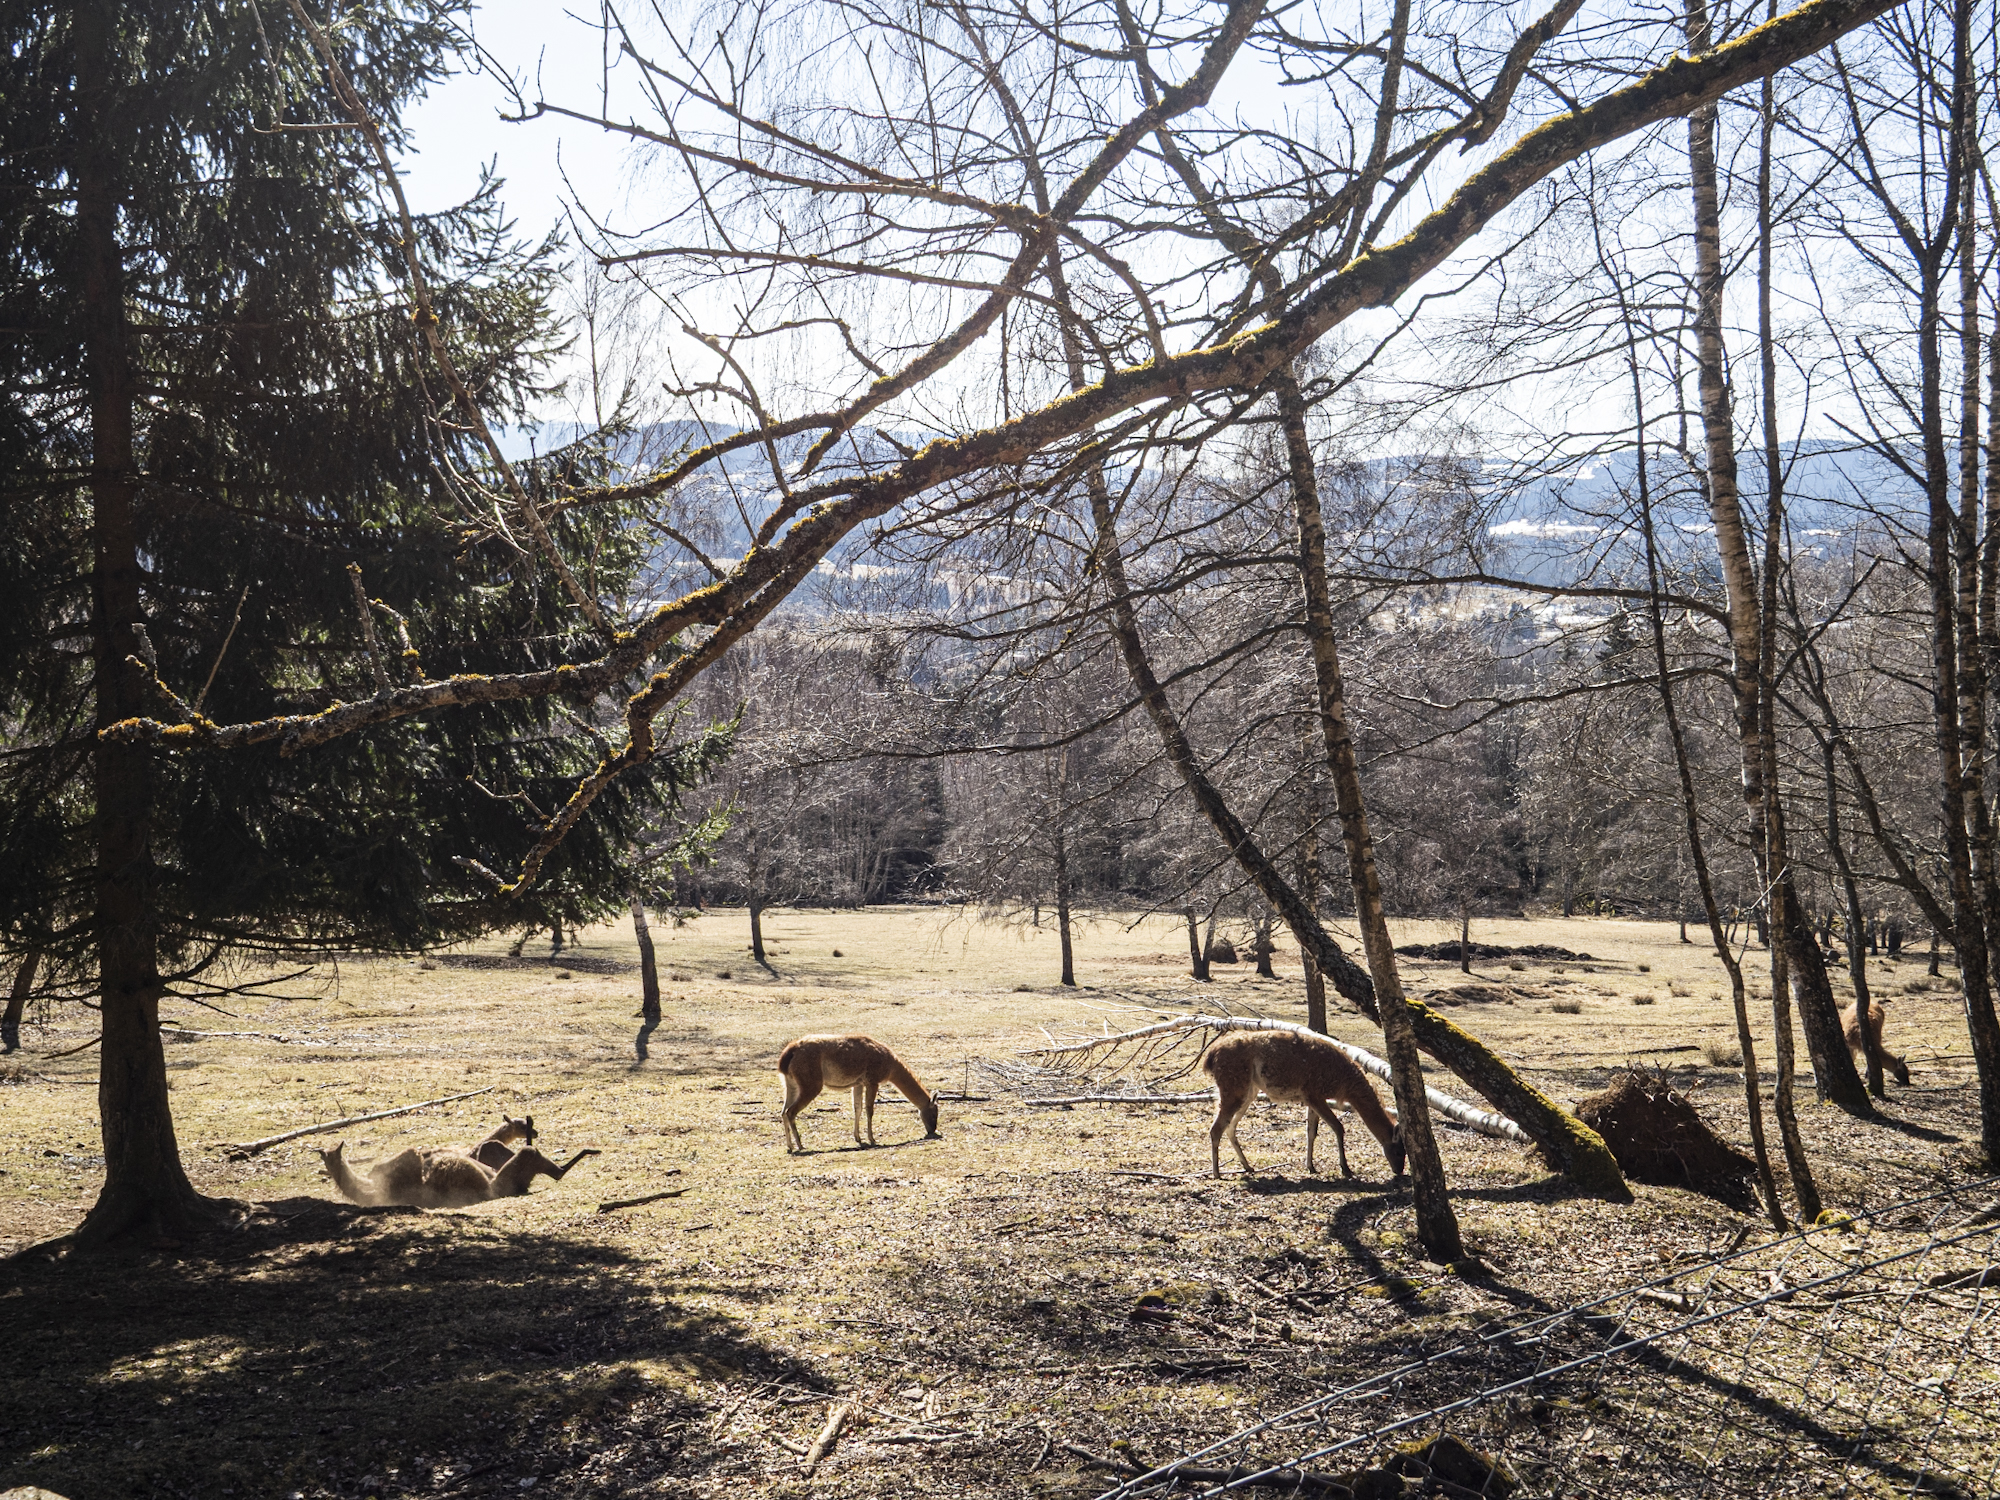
498	1148
861	1063
431	1177
1288	1067
1852	1026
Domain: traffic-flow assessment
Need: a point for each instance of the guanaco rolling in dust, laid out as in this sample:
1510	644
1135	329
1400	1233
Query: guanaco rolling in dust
814	1063
443	1177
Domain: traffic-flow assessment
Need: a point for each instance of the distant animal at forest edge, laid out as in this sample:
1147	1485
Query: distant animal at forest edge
439	1177
1291	1068
1851	1024
814	1063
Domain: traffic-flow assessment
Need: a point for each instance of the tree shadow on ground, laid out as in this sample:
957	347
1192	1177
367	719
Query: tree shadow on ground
329	1351
1276	1185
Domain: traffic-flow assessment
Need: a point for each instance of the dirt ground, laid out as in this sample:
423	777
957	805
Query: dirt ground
970	1298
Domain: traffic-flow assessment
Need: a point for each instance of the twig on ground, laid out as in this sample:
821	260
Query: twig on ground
72	1051
269	1036
828	1436
1124	1098
251	1148
617	1203
917	1437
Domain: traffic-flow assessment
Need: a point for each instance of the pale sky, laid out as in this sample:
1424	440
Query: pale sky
459	126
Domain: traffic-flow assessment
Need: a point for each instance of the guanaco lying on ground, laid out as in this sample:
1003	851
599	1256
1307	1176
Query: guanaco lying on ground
861	1063
498	1148
434	1177
1290	1068
1852	1026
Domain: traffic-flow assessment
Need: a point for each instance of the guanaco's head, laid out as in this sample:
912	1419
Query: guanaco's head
1396	1153
331	1159
929	1113
522	1130
1901	1069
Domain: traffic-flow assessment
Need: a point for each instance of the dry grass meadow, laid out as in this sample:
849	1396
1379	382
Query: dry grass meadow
970	1297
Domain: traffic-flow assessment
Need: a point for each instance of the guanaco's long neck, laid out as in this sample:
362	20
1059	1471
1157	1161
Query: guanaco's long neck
906	1081
1372	1114
351	1187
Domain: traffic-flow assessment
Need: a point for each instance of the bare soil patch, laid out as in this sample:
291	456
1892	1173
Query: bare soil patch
970	1298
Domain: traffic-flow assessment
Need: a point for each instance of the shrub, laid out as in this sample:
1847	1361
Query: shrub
1722	1054
1645	968
1680	991
1516	964
1642	999
1568	1007
722	974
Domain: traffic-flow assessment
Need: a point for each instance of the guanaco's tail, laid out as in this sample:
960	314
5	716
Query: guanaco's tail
785	1058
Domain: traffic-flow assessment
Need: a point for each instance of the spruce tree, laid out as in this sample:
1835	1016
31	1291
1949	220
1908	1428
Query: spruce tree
215	410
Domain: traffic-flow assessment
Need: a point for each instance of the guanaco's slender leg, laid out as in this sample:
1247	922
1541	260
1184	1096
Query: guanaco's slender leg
857	1115
1226	1111
874	1088
797	1096
1317	1110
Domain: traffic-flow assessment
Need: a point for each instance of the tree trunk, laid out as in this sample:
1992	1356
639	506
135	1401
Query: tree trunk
1437	1224
1464	935
757	929
1062	909
17	1001
1197	953
1261	946
1311	874
1969	907
649	972
144	1184
1720	935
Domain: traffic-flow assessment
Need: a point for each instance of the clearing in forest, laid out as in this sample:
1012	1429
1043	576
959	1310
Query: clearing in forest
973	1304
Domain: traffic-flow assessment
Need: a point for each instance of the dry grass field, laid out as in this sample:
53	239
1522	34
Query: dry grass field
969	1297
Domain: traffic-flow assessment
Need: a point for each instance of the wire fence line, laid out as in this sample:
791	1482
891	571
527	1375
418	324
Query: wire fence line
1861	1358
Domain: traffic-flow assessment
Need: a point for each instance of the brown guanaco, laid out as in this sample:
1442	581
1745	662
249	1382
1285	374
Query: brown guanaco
498	1148
813	1063
1851	1024
434	1177
1289	1067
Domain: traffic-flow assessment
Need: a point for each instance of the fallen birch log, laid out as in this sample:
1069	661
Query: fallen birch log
251	1148
1485	1121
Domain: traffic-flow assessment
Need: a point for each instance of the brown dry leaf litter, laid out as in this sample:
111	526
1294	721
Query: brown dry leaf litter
967	1299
